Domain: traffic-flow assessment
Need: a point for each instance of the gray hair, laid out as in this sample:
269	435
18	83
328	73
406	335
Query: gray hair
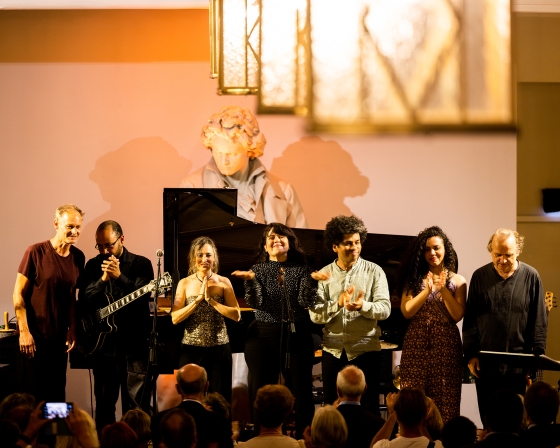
502	234
67	208
351	381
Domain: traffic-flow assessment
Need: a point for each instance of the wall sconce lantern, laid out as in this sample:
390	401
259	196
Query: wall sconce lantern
369	65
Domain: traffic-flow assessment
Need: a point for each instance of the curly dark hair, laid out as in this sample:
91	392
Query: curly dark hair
343	225
415	267
295	253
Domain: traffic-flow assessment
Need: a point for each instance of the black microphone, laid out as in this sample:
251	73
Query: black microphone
159	253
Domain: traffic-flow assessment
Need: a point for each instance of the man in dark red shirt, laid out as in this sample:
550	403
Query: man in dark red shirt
44	302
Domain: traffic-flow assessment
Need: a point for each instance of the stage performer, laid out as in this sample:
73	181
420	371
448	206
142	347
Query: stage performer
44	302
505	313
236	142
350	303
280	287
201	302
120	359
433	296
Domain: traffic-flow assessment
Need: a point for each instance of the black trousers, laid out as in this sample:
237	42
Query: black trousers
216	361
493	377
265	353
44	375
369	362
112	374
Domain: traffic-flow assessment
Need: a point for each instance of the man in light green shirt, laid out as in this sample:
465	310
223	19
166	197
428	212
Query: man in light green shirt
351	299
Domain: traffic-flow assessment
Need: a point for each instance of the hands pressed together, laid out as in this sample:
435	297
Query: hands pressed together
345	299
111	268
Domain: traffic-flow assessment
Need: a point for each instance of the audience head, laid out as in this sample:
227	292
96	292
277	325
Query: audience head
458	432
192	381
433	421
274	403
19	415
328	428
541	403
118	435
504	411
139	421
178	429
13	400
63	441
410	407
350	383
217	403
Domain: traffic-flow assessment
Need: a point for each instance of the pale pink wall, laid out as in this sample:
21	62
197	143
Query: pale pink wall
109	137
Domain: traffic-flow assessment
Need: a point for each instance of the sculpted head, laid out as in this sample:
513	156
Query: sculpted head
234	137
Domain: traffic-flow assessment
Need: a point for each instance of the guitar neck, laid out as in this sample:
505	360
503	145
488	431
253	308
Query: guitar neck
118	304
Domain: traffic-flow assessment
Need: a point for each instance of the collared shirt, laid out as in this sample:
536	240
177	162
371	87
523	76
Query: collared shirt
356	332
356	403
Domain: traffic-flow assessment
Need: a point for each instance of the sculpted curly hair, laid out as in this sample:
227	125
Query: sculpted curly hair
343	225
415	267
235	124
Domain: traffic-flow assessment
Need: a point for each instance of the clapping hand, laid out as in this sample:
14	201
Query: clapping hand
345	299
320	276
243	275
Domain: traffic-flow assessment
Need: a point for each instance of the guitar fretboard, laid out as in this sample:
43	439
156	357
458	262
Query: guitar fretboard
118	304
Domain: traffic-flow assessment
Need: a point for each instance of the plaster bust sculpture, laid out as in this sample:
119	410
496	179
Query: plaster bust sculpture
234	138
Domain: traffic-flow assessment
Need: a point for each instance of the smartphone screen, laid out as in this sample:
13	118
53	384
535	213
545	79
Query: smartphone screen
56	410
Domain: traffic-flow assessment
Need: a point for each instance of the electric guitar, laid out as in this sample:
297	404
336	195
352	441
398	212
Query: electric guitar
97	325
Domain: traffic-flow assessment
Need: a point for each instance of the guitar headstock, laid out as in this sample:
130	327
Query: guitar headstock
165	282
550	300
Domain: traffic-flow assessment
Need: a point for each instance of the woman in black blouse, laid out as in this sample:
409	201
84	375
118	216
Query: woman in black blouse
279	339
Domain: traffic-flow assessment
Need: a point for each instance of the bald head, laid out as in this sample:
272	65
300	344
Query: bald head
192	381
350	383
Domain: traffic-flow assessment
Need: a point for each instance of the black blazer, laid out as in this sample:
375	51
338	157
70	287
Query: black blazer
362	425
210	427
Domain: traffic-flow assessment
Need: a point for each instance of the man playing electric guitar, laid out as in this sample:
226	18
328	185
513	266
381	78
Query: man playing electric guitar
118	345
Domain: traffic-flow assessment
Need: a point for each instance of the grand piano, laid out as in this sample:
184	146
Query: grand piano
192	212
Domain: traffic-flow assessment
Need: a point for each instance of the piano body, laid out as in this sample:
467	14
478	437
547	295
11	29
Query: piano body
190	212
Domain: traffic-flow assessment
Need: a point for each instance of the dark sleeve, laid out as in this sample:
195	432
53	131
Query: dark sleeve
538	317
141	272
307	288
90	284
471	337
254	288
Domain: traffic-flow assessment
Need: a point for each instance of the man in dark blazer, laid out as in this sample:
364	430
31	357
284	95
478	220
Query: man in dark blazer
362	424
212	430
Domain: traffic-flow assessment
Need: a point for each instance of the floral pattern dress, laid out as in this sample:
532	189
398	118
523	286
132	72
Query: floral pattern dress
432	355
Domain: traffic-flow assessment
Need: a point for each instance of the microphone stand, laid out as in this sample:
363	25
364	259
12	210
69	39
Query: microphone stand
151	374
292	326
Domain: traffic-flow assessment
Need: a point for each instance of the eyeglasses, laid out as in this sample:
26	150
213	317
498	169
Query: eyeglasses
107	246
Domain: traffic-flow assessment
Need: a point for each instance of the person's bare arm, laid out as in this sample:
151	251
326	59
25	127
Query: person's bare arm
26	341
231	308
180	311
387	428
458	304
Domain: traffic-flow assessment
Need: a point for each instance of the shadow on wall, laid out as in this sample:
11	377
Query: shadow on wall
131	179
323	175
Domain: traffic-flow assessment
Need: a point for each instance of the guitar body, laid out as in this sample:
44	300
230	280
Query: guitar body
96	326
95	330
